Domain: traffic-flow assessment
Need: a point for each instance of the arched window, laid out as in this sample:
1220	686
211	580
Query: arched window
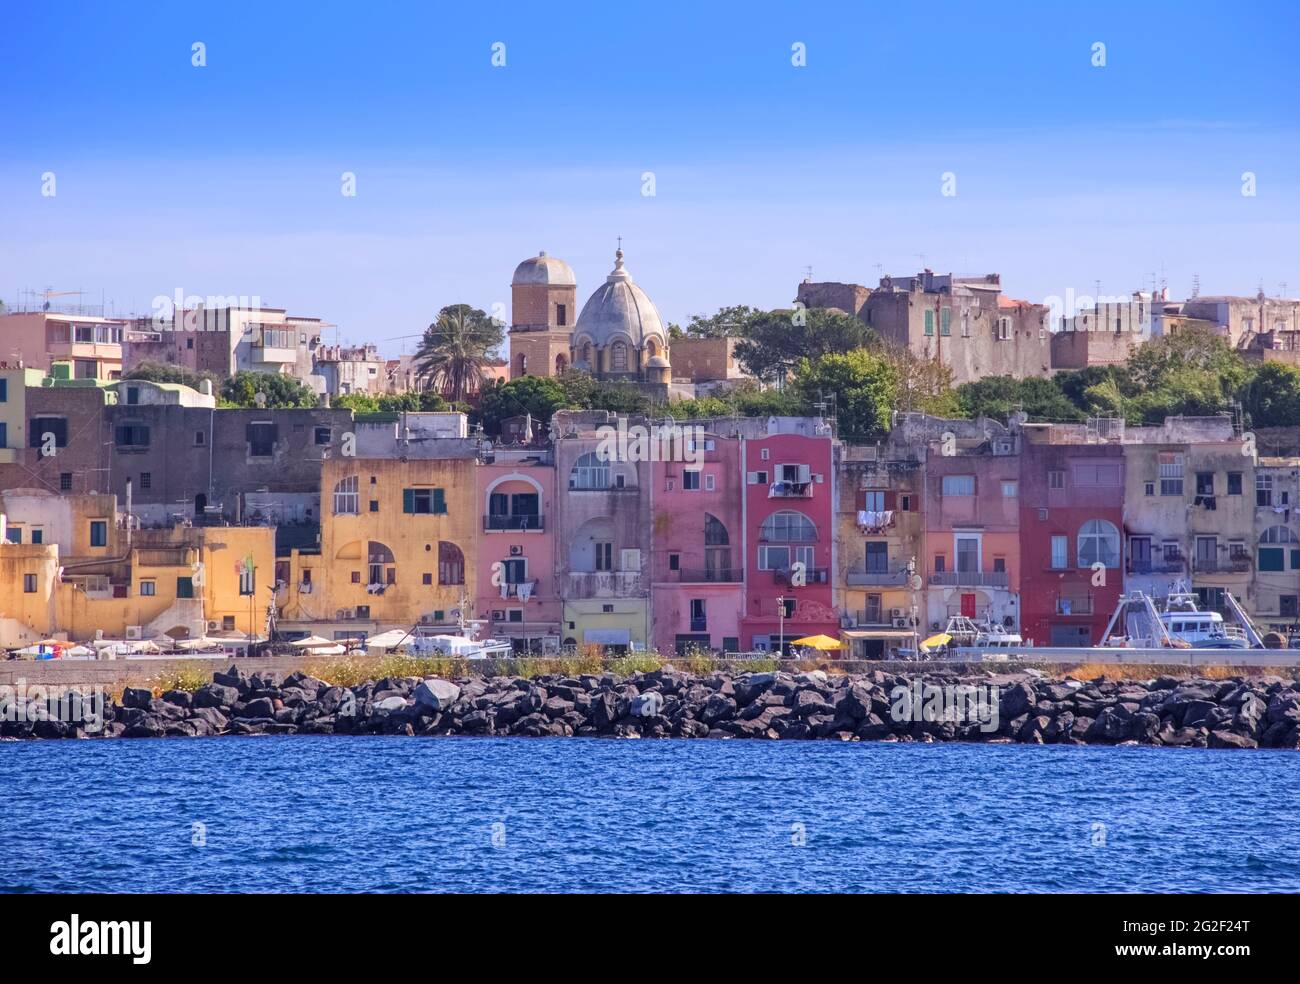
715	534
521	364
347	499
788	526
589	472
561	363
618	357
381	565
451	563
1278	534
717	552
651	350
586	354
1274	545
1098	543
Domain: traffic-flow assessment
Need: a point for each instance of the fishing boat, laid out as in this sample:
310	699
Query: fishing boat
1179	623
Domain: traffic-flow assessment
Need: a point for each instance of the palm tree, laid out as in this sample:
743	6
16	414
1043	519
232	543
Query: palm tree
456	349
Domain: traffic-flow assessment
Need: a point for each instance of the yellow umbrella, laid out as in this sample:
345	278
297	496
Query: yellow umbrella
819	642
935	641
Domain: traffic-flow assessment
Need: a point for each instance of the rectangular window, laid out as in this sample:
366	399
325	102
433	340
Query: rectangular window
945	322
1272	559
427	578
1056	479
29	584
65	481
1010	490
709	484
4	432
132	396
940	563
1263	490
38	536
561	315
228	623
261	439
1234	483
872	501
1205	483
99	533
424	501
199	439
148	589
322	435
604	556
14	534
999	565
691	480
674	562
146	480
958	485
929	322
4	391
185	587
56	427
877	558
1171	473
132	436
1060	553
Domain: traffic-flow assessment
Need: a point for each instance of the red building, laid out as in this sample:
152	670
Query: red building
1072	501
789	540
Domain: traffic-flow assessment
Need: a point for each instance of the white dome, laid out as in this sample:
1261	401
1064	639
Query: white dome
543	269
618	308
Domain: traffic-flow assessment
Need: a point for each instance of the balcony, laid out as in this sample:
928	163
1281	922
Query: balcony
1225	565
874	579
790	490
969	579
605	584
812	575
511	590
699	625
718	576
495	522
1158	565
1074	606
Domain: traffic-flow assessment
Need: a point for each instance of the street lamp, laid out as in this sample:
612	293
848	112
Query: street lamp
780	612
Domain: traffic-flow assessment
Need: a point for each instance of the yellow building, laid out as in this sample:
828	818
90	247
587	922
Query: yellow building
70	567
397	547
14	380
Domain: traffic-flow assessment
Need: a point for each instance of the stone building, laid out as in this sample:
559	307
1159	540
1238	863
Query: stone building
1276	543
620	337
1266	326
543	305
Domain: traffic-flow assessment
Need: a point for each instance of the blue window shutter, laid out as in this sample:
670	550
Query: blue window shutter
408	500
439	501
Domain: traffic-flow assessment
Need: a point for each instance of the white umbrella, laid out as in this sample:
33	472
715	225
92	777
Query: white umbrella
313	642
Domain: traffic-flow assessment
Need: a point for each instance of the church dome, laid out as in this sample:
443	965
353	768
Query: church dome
543	269
618	309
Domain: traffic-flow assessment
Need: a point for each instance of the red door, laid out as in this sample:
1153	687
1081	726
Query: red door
968	605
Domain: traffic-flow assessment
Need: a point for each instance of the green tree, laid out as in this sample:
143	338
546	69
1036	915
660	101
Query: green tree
280	391
999	396
730	321
537	395
456	349
166	372
863	384
775	342
921	385
1272	397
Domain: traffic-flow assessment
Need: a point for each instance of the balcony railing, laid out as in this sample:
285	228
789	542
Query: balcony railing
875	578
790	490
699	625
519	521
1221	565
812	575
1158	565
512	589
970	579
707	576
1074	606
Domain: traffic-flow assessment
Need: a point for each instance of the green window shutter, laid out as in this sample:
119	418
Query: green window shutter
439	501
945	321
1270	559
1295	560
929	322
408	500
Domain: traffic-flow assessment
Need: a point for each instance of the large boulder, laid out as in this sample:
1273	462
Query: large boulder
435	694
137	697
215	695
646	705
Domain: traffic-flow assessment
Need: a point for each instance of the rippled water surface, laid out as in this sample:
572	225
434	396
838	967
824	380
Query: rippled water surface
402	814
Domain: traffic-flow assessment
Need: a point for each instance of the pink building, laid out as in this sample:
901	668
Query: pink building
698	587
516	588
789	502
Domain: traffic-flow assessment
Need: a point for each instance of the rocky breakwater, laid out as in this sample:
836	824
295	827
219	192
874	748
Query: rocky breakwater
1243	712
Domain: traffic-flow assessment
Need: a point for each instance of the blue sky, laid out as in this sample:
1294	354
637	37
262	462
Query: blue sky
225	179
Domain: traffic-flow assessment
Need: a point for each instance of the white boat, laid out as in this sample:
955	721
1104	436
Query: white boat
1180	624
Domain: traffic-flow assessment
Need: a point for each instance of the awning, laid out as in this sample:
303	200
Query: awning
876	633
935	641
607	637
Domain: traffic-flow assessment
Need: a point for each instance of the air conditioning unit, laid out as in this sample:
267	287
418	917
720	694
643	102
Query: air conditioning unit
900	623
135	632
213	625
349	613
896	613
498	615
1003	446
516	550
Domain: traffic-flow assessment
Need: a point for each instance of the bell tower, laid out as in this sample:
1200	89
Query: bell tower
543	295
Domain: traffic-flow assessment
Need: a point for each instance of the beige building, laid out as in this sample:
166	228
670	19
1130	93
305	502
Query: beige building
67	345
1277	543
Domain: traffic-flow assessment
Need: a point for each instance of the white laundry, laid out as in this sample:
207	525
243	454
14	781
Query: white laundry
525	590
